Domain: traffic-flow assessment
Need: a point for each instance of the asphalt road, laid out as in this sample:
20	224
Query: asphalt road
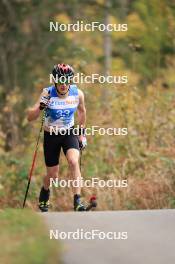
150	236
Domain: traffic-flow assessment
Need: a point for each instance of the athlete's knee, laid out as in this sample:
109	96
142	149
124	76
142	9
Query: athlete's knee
73	162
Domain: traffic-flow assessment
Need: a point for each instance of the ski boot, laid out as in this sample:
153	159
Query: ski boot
44	200
78	206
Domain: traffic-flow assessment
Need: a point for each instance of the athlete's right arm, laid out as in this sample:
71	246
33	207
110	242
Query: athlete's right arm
34	112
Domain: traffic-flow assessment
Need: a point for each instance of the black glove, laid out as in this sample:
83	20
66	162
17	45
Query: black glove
44	102
82	143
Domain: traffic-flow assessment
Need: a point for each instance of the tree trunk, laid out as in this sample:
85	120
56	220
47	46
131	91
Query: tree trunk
107	56
107	41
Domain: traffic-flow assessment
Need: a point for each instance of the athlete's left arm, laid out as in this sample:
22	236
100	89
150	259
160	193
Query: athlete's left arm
81	110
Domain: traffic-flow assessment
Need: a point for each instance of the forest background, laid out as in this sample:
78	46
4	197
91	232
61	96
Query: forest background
145	105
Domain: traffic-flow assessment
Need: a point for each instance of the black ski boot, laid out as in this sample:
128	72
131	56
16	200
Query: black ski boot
78	206
44	200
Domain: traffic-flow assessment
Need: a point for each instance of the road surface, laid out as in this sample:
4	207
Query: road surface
150	236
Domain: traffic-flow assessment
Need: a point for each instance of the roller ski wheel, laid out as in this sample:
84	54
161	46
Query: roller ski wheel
92	203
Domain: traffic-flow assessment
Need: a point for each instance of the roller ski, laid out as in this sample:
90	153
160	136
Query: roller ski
79	206
92	203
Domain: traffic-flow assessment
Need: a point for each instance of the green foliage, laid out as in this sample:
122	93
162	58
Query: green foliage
24	239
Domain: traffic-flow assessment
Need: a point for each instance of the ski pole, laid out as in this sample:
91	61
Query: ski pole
34	157
80	160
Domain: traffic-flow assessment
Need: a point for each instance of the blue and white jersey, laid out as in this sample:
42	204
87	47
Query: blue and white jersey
60	111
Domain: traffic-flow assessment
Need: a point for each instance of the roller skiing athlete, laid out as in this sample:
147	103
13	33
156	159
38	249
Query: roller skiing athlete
60	102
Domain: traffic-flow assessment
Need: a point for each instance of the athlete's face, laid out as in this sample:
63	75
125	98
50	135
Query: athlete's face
62	88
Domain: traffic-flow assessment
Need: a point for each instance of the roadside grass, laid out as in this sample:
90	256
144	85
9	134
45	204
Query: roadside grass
24	239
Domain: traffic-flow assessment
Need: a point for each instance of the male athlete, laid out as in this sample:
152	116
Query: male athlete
60	102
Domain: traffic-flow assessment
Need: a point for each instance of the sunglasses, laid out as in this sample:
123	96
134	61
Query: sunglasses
65	81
